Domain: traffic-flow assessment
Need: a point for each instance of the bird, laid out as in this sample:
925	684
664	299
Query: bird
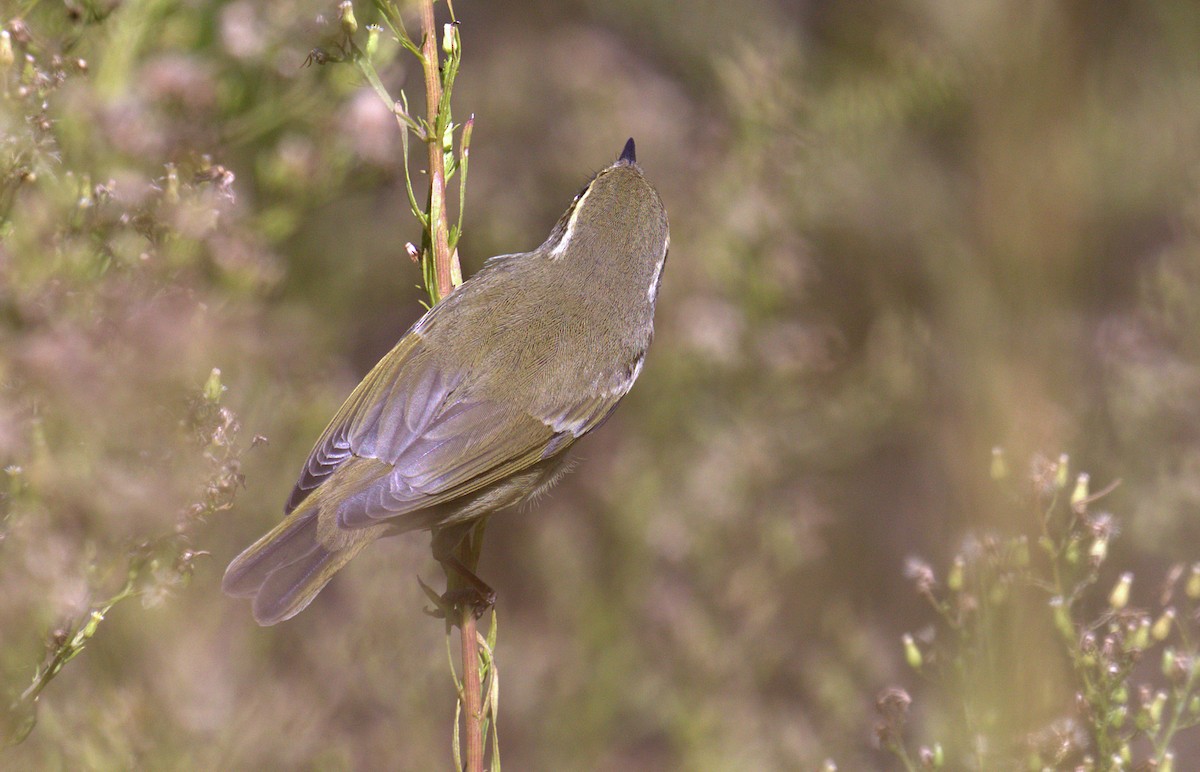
474	409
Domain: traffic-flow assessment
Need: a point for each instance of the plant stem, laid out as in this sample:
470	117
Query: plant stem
438	123
1162	743
472	688
438	227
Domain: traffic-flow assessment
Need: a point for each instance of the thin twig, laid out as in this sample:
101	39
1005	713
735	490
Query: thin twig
472	688
441	274
437	110
439	229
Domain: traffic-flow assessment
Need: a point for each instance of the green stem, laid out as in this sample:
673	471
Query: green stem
464	157
367	68
438	120
1162	743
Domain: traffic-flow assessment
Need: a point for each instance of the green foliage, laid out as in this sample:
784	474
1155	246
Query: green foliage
156	566
114	240
438	129
1117	710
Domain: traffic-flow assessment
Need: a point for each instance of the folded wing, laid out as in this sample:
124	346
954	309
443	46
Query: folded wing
440	439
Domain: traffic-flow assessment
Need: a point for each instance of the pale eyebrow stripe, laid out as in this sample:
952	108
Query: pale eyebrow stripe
562	244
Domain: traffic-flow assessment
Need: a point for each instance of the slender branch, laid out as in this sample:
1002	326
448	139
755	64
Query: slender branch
400	111
476	711
438	120
472	688
441	273
1162	742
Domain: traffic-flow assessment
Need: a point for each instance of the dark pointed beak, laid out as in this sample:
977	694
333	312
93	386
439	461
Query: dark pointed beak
629	154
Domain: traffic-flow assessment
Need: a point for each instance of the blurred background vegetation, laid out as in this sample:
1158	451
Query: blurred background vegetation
903	233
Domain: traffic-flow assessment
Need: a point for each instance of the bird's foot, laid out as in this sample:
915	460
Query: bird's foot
450	604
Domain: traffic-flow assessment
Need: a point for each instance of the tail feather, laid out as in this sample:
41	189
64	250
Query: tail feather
289	589
285	569
292	540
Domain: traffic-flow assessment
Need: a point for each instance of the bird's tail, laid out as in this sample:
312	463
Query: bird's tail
285	569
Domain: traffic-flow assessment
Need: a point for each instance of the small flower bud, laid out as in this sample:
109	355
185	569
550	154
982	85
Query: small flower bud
213	387
411	250
449	39
6	49
1099	550
1168	661
1062	619
171	189
932	757
1192	588
349	22
372	46
20	31
1140	638
85	192
912	654
456	278
464	144
1168	762
1142	721
1080	494
92	625
1162	625
1071	555
999	464
1156	707
1061	471
954	579
1119	597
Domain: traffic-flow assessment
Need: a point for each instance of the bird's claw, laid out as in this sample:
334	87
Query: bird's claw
448	605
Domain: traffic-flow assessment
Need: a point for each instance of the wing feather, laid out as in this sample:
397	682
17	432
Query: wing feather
441	440
354	428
